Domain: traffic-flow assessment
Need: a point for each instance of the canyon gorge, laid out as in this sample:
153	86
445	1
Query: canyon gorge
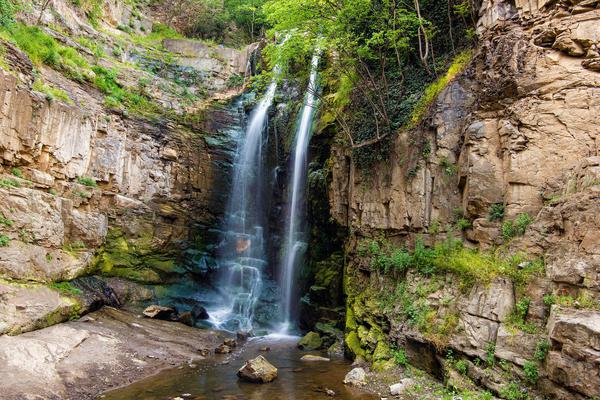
449	235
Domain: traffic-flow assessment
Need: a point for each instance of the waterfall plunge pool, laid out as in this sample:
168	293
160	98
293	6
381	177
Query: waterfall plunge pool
215	378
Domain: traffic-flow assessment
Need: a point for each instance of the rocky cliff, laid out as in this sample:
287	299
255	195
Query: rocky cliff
509	163
113	171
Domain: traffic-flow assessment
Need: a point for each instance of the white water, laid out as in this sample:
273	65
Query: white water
243	253
295	244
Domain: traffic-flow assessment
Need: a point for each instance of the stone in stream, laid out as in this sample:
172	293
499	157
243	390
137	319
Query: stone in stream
258	370
199	313
356	377
310	357
399	388
230	342
223	349
160	312
310	341
187	318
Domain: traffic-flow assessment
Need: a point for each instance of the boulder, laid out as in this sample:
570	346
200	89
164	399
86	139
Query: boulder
310	341
258	370
310	357
187	318
356	377
160	312
199	312
399	388
230	342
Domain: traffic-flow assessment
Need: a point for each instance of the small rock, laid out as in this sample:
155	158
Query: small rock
160	312
399	388
266	348
258	370
223	349
230	342
187	318
199	312
356	377
186	395
203	352
310	357
310	341
329	392
243	336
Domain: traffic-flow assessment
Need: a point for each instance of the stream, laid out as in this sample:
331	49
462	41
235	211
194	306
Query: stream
217	379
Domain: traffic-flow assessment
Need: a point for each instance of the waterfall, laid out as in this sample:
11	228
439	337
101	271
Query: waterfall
242	252
295	243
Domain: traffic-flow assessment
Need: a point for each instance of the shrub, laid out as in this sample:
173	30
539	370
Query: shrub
530	370
87	181
463	224
400	357
541	350
496	212
549	299
510	229
5	221
4	241
461	366
449	168
17	172
522	308
235	80
490	351
512	391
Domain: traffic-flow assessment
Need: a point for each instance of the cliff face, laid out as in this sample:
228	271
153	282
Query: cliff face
516	133
90	188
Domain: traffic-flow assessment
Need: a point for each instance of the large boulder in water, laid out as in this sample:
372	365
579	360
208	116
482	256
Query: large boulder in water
199	313
258	370
310	341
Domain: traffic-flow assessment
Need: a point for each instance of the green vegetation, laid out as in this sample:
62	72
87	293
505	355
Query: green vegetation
74	248
461	366
5	221
449	168
511	229
541	350
385	73
496	212
8	9
583	300
65	287
513	391
92	9
87	181
458	64
400	358
4	241
530	369
451	256
51	92
463	224
490	354
8	183
44	49
16	172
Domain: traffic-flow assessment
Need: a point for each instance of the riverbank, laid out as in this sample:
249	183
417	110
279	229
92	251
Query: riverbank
106	349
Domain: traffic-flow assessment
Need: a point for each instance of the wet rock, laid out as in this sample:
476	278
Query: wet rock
329	392
160	312
258	370
230	342
266	348
187	318
223	349
399	388
356	377
310	357
311	341
199	312
243	336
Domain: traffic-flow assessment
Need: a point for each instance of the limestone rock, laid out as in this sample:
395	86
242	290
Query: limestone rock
310	341
398	389
494	302
160	312
258	370
356	377
310	357
223	349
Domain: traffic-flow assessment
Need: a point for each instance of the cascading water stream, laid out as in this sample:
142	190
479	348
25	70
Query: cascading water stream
295	243
242	248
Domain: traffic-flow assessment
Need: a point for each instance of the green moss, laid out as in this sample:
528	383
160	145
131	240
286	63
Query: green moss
459	63
382	351
353	344
65	287
310	341
351	324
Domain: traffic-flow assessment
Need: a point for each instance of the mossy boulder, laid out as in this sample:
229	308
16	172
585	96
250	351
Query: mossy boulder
310	341
382	351
352	348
